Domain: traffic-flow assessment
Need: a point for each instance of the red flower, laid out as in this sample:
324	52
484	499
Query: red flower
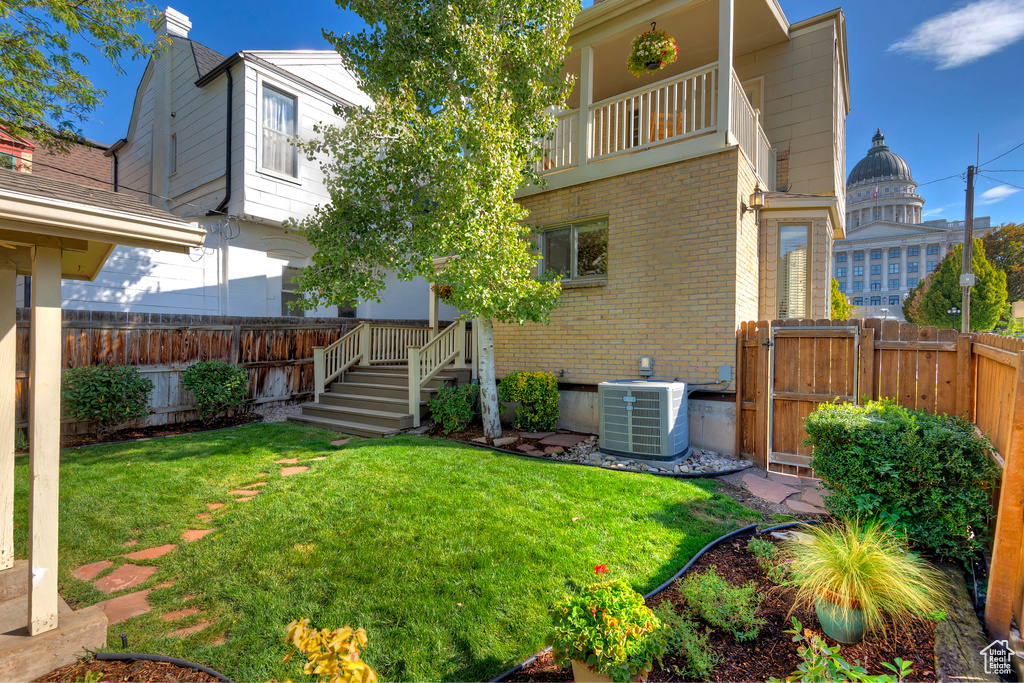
600	569
593	611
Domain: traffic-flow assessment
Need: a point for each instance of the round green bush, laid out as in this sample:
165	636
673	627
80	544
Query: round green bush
537	396
216	387
110	396
453	407
932	476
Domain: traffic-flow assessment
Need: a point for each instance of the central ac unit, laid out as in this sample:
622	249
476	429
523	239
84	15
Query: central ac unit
644	419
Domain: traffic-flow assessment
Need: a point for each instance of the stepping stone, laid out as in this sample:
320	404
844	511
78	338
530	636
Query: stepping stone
129	544
151	553
563	440
180	614
787	479
504	441
526	447
214	506
220	641
259	483
125	576
322	457
88	572
805	508
165	584
125	607
189	630
767	488
479	439
186	597
287	461
289	471
553	450
242	492
815	497
536	436
244	500
204	517
340	442
195	534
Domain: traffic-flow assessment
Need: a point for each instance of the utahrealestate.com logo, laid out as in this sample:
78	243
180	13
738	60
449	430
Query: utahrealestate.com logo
997	658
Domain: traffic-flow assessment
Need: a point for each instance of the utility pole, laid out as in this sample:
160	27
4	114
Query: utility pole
966	271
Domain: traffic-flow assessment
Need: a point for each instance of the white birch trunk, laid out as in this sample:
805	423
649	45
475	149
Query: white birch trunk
488	385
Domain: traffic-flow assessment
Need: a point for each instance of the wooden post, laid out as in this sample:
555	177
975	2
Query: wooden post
433	310
740	335
866	366
319	373
762	395
460	344
44	439
414	384
8	346
364	343
1009	536
964	376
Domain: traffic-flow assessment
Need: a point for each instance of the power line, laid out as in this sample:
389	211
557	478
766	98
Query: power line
1003	154
1001	181
955	175
1006	170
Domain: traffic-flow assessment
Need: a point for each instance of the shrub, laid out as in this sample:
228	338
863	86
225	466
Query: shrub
334	656
727	608
216	387
769	558
108	395
865	566
688	643
537	395
929	475
609	628
822	664
452	408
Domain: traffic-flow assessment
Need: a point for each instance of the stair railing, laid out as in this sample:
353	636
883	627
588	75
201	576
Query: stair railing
428	360
330	361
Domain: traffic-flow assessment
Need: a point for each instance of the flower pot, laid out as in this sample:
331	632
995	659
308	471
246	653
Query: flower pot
581	673
842	624
653	66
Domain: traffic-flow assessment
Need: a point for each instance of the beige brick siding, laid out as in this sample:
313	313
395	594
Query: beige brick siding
679	276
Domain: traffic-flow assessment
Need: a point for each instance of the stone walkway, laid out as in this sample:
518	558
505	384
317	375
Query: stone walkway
801	495
128	575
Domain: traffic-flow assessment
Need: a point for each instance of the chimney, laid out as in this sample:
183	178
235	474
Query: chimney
171	22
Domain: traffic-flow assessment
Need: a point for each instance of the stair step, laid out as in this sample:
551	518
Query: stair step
344	427
383	403
363	416
400	379
382	390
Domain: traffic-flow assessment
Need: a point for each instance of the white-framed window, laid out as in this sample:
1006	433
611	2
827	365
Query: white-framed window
289	291
577	251
8	161
794	286
279	127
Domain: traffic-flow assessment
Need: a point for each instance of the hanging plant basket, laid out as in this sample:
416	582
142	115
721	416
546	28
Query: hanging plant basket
652	50
444	292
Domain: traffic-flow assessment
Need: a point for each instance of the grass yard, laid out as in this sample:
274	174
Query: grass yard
447	555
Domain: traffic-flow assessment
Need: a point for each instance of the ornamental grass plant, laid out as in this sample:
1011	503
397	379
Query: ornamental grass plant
866	566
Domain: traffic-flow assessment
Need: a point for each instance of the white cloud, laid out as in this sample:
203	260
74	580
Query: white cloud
936	211
997	194
965	35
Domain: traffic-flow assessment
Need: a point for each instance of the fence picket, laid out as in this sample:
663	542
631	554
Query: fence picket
907	380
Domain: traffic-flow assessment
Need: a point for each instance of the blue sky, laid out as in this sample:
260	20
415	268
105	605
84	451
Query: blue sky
932	74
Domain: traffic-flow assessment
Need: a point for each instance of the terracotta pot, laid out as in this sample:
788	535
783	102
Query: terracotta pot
581	673
842	624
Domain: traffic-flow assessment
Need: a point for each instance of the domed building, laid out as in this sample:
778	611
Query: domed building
888	246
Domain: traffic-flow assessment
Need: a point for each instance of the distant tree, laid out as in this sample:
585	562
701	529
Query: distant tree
1004	248
912	302
43	91
840	305
988	295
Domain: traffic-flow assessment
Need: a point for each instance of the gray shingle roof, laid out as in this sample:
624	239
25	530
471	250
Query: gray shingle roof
28	183
206	59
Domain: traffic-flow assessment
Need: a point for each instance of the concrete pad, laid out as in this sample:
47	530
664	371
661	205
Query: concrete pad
214	506
804	508
504	441
563	440
815	497
768	489
151	553
180	614
195	534
124	577
88	572
25	658
14	581
535	436
124	607
189	630
289	471
287	461
341	442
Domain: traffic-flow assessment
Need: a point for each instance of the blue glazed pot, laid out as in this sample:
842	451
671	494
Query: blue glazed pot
842	624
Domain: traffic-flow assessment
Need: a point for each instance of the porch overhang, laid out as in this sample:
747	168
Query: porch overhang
793	205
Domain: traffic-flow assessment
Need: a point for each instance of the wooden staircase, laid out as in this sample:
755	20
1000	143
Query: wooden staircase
373	401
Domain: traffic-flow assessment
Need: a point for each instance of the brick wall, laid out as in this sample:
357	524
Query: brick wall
672	283
83	164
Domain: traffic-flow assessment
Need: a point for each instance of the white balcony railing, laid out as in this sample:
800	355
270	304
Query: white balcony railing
746	126
671	110
558	150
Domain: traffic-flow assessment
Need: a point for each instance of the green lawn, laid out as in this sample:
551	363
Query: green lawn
447	555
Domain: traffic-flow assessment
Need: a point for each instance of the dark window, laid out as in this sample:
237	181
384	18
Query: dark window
932	265
841	258
912	251
858	270
858	301
288	291
912	282
876	254
858	256
876	301
933	249
894	284
578	250
876	270
894	253
894	301
876	285
842	287
912	267
841	272
858	285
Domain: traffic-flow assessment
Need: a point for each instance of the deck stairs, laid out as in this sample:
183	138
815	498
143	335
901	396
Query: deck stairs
373	401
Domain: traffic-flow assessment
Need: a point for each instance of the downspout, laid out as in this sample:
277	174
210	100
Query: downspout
114	154
222	207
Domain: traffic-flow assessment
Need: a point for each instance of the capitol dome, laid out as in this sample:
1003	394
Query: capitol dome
879	165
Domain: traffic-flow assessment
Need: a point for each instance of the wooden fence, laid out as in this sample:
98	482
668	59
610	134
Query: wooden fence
785	368
277	352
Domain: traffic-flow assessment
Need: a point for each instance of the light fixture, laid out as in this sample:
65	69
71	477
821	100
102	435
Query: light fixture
756	201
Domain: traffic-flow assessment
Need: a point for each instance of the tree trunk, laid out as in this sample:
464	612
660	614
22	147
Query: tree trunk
488	385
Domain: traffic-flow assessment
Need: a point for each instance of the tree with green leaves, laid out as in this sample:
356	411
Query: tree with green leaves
43	90
988	295
1004	247
912	302
461	92
840	304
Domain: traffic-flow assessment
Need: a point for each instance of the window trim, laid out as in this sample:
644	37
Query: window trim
14	158
261	83
572	280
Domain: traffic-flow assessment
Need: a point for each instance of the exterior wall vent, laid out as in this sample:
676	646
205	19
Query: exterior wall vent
644	419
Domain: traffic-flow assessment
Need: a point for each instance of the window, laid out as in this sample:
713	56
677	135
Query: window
858	301
894	268
842	287
876	254
894	253
858	270
911	282
858	285
894	284
912	267
858	256
876	270
876	301
912	251
933	249
841	258
279	155
289	293
794	271
577	251
8	161
894	301
876	285
932	265
174	152
841	271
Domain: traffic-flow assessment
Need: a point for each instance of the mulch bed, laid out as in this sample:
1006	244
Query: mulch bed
133	434
116	672
772	653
